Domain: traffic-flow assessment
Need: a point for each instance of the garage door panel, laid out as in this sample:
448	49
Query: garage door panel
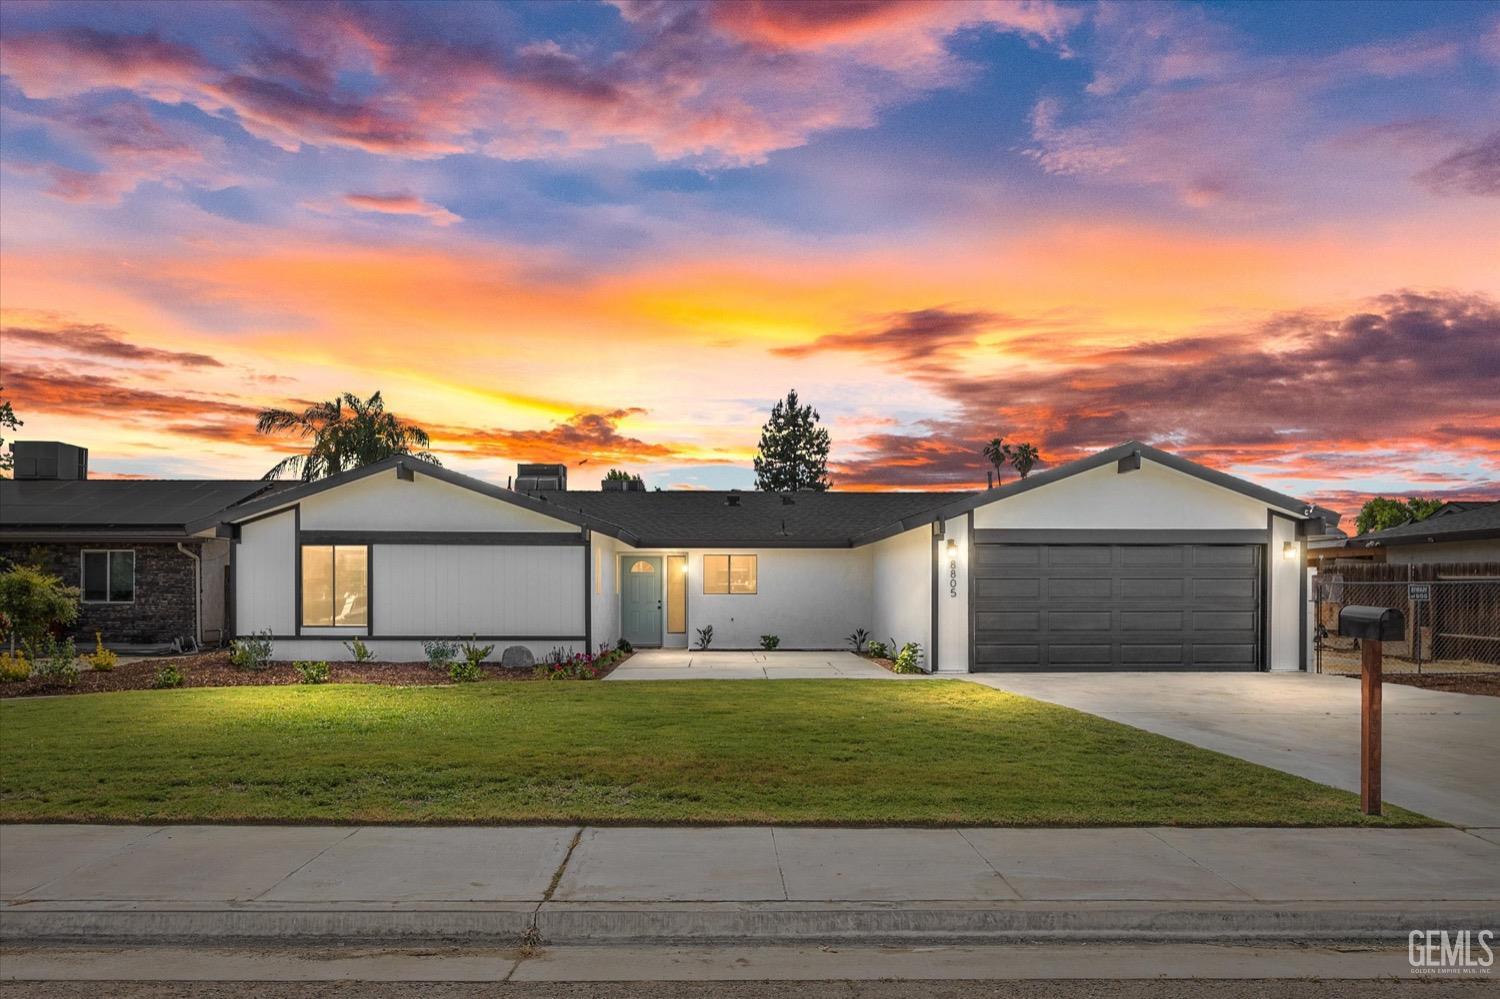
1079	589
1150	620
1064	555
1123	607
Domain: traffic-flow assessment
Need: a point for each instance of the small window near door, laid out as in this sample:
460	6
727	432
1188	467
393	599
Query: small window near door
642	566
335	586
676	594
730	574
108	577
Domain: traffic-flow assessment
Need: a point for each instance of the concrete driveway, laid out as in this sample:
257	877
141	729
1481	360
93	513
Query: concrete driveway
1439	748
688	664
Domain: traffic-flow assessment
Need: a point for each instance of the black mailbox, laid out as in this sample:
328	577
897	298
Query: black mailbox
1377	624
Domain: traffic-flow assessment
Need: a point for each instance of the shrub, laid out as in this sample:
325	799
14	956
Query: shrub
167	677
253	653
705	636
103	659
857	640
14	667
563	665
879	650
624	646
360	651
908	660
56	664
769	642
32	603
312	672
468	671
440	653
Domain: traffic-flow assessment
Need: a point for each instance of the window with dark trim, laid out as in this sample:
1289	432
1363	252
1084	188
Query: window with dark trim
107	576
335	586
730	574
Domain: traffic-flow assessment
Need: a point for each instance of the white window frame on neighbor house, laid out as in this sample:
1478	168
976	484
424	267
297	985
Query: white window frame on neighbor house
333	587
109	570
729	589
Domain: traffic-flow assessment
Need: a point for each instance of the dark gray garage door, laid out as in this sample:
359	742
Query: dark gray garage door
1116	607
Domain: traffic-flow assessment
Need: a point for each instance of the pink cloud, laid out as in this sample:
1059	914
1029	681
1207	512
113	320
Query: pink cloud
402	204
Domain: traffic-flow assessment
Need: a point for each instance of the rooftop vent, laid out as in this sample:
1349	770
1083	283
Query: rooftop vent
733	499
50	460
541	478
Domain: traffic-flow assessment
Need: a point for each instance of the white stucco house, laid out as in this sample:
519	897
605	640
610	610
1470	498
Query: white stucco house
1130	559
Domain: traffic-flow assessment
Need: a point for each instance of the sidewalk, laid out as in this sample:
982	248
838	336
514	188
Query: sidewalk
735	885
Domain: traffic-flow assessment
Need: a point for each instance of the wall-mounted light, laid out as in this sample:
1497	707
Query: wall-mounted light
952	546
1289	551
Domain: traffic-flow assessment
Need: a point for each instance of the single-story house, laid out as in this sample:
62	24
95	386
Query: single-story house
145	578
1460	531
1130	559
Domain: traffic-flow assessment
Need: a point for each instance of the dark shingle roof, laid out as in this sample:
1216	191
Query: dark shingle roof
128	504
1475	520
702	518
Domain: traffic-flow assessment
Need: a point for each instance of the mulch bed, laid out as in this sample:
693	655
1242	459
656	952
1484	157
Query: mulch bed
212	669
1487	684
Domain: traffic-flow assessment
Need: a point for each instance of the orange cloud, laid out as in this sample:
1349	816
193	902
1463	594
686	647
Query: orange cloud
402	204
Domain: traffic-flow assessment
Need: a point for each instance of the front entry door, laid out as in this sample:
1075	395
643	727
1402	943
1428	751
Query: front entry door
640	600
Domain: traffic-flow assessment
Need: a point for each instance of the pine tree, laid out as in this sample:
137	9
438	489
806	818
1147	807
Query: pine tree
793	449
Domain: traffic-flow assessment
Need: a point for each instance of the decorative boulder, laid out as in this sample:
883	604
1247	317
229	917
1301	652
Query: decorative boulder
517	657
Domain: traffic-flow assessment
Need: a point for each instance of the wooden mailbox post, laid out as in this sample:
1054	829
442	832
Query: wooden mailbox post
1372	626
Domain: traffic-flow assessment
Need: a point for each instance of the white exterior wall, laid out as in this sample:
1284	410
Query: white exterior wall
1284	644
388	651
810	598
1153	497
265	568
604	568
383	502
953	598
453	591
901	591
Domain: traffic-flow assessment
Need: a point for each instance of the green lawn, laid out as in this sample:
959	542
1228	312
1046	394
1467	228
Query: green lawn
797	751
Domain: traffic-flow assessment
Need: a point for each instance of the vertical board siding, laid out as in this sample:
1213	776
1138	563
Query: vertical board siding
457	590
265	565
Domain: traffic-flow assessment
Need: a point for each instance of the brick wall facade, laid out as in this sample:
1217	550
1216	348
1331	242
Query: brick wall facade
164	604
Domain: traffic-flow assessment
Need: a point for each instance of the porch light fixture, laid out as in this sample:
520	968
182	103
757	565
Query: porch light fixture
952	546
1289	551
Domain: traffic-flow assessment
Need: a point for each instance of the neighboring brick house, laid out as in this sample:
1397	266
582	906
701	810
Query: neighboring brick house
145	554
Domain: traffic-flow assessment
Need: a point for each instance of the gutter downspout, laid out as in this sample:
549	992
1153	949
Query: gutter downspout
197	594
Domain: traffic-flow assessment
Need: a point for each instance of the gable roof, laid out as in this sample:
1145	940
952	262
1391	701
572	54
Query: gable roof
129	506
706	519
1291	504
1470	521
302	490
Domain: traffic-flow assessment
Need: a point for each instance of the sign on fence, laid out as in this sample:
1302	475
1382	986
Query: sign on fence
1418	591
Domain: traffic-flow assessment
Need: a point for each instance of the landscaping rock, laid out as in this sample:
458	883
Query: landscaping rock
517	657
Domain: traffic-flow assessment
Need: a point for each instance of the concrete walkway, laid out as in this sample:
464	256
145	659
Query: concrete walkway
1438	748
688	664
736	884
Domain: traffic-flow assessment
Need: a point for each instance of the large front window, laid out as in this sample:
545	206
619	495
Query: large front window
335	586
729	574
108	576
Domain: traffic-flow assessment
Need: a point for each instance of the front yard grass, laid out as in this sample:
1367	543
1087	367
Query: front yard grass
788	751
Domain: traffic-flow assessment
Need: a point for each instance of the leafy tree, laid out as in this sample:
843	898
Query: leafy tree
997	453
620	475
31	602
346	432
793	449
1380	513
1022	457
8	422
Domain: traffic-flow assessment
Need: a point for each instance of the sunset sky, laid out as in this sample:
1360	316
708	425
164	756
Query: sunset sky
1266	237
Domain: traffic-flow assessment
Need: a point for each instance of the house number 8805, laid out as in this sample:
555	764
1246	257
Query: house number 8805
953	577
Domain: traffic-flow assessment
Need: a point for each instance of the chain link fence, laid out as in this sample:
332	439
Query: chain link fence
1452	623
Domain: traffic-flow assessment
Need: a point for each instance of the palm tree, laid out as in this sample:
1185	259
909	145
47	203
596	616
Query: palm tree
346	432
997	452
1023	456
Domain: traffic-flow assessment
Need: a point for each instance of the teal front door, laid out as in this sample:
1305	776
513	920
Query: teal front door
640	599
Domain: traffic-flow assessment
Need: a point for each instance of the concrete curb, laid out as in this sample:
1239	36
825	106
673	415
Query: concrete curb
728	923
